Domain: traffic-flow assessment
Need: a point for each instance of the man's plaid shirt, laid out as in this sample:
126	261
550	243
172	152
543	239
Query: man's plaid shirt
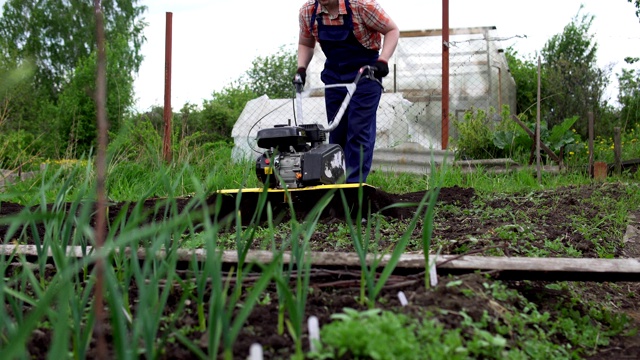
369	19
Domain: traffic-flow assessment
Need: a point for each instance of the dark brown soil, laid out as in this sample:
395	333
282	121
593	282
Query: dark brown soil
461	220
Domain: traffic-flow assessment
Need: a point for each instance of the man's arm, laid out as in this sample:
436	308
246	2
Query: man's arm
391	35
306	46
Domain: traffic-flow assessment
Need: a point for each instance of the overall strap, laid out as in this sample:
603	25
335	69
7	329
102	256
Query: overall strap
313	16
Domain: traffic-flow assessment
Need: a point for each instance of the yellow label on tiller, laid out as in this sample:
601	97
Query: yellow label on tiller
268	170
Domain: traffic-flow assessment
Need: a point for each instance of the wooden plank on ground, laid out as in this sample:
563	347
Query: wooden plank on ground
551	269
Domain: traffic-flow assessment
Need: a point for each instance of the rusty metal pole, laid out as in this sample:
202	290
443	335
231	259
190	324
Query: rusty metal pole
445	74
166	144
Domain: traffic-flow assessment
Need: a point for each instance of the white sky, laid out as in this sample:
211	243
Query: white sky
214	41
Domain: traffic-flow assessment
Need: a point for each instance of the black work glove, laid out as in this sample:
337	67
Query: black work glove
303	75
381	69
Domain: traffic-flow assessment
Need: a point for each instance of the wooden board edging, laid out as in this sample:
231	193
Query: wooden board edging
519	267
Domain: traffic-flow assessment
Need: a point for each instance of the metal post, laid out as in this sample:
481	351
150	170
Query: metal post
489	94
445	74
499	87
166	144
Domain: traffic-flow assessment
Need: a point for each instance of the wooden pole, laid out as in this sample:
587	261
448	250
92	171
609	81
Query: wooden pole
99	326
538	159
617	151
591	147
166	144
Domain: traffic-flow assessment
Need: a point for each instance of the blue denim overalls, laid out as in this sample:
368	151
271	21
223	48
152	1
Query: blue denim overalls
345	56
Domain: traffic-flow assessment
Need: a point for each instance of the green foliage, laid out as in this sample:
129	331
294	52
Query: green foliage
77	112
516	329
512	141
519	330
58	33
20	103
560	135
137	141
629	95
18	148
12	75
573	83
58	38
221	113
473	136
271	75
510	137
357	335
76	107
475	133
481	137
637	4
525	74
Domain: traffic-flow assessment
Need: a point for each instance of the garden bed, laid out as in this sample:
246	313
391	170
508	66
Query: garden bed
494	319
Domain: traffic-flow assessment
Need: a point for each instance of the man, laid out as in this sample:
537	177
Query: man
350	33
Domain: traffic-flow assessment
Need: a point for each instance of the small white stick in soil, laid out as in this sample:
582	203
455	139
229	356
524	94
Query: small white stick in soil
314	331
126	315
255	352
433	275
403	298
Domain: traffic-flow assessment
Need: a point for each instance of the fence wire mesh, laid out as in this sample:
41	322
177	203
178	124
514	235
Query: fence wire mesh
410	111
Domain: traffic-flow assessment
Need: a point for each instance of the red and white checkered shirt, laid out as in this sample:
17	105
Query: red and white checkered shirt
369	19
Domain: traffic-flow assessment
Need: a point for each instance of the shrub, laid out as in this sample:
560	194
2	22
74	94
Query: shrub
474	135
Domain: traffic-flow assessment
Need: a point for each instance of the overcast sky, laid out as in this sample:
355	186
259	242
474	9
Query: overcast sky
214	41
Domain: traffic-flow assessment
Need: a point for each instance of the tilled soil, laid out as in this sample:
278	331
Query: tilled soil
461	220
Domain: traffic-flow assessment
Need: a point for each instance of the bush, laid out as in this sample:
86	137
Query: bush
18	148
476	133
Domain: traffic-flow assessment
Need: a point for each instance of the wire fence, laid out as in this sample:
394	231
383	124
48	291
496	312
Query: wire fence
410	111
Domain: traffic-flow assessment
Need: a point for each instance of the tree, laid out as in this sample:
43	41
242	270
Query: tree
525	74
573	83
76	106
58	36
221	113
629	95
57	33
271	75
637	3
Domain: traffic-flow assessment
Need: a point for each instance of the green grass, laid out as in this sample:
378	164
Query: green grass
517	330
62	302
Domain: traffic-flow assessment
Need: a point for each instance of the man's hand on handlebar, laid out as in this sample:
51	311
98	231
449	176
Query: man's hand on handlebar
381	69
300	79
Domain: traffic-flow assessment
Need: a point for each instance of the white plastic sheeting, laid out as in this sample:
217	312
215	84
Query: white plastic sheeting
261	113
